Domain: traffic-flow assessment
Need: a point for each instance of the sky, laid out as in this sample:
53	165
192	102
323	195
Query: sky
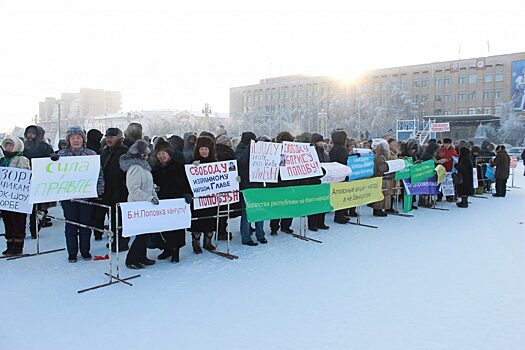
181	55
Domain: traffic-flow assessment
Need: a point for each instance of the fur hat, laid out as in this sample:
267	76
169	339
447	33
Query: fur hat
114	132
139	149
447	140
209	143
224	140
75	130
247	136
304	137
208	134
284	136
164	146
316	138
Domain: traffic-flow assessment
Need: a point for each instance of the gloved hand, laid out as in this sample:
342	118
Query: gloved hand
54	157
197	162
188	198
155	201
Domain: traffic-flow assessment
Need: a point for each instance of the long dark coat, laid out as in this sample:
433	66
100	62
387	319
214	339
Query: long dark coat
114	178
464	167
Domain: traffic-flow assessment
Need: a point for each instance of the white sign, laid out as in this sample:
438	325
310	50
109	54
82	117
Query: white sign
440	127
475	178
63	179
264	161
209	179
395	165
145	217
15	189
513	162
335	172
299	161
361	150
447	186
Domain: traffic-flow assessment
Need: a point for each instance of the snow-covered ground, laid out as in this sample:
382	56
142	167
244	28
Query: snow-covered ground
440	280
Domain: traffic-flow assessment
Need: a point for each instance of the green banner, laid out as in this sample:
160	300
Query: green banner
407	203
355	193
286	202
404	174
422	171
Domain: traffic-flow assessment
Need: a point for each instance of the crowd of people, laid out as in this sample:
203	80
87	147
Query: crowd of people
135	168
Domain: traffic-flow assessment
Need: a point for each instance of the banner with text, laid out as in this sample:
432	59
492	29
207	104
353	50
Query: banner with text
145	217
286	202
355	193
264	161
395	165
440	127
207	180
63	179
335	172
447	186
299	161
15	190
361	166
422	171
405	173
428	186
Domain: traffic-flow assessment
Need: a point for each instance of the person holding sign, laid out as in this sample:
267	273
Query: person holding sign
502	164
139	182
339	154
76	236
204	152
316	221
14	222
381	152
464	186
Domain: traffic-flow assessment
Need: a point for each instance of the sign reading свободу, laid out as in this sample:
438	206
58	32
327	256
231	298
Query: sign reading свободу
299	161
63	179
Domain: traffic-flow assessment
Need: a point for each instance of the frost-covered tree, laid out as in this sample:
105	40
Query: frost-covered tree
512	129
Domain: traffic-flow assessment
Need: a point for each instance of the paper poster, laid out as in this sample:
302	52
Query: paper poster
361	166
299	161
335	172
15	190
264	161
395	165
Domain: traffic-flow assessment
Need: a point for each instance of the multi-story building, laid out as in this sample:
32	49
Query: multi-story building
465	86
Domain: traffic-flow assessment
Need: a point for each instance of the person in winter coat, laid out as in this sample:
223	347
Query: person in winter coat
317	221
204	153
447	152
35	146
178	146
76	236
132	134
14	222
94	137
242	153
190	138
502	164
464	167
339	153
170	176
285	223
381	152
139	182
115	182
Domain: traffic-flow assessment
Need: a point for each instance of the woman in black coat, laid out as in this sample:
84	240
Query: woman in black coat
339	153
204	152
465	187
170	176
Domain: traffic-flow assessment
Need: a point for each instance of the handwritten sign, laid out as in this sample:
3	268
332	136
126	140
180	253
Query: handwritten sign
299	161
63	179
447	186
264	161
208	180
145	217
15	190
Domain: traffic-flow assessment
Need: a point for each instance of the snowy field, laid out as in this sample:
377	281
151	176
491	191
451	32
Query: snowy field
439	280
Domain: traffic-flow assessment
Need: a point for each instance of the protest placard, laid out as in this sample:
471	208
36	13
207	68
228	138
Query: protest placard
15	190
422	171
335	172
447	186
145	217
475	177
207	180
355	193
361	166
428	186
264	161
286	202
395	165
299	161
65	178
441	172
440	127
513	162
361	150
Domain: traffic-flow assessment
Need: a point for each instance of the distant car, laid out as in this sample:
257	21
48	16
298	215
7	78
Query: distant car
516	151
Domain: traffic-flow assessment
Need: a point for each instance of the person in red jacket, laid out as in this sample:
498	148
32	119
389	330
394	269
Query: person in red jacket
444	157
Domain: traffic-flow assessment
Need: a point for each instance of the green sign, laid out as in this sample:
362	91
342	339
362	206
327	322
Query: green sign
404	174
407	203
286	202
422	171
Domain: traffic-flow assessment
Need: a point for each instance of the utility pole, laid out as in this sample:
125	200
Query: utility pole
59	118
206	111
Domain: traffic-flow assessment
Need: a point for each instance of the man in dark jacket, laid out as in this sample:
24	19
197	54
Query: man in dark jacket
115	179
339	154
243	165
502	164
35	146
316	221
132	134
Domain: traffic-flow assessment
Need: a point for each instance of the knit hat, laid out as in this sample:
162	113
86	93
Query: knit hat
247	136
224	140
139	149
114	132
75	130
164	146
316	138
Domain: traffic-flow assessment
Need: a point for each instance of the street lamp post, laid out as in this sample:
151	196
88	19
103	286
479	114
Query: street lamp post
206	111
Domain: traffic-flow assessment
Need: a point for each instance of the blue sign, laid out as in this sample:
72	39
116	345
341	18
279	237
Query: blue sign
361	166
518	85
428	186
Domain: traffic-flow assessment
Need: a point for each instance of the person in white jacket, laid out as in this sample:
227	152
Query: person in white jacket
139	182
